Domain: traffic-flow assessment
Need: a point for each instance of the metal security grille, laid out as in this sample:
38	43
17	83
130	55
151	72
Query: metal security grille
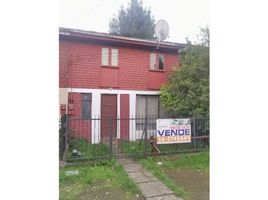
81	138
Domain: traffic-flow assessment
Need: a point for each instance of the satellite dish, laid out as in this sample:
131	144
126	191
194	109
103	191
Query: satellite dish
161	29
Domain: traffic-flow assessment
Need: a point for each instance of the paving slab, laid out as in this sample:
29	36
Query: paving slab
152	189
165	197
150	186
132	168
124	161
146	173
139	177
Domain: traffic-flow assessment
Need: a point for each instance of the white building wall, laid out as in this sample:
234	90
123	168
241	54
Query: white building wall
96	108
63	98
95	125
132	114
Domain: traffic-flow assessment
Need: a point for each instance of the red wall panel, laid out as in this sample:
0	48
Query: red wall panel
156	79
80	67
109	77
78	127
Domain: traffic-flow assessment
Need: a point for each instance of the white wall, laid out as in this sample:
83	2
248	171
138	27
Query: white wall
96	108
63	98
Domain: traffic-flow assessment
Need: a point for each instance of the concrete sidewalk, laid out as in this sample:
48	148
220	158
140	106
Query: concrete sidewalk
150	186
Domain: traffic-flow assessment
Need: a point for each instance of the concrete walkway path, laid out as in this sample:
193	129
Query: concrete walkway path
150	186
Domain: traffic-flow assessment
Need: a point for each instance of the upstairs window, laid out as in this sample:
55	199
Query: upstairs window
105	56
114	57
152	61
161	61
109	57
157	61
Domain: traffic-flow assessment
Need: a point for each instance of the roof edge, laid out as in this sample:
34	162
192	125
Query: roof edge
98	35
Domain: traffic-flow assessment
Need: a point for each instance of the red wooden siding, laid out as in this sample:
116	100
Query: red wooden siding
63	64
109	77
80	67
156	79
79	128
84	64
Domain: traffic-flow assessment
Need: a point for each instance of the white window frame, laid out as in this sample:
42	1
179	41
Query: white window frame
112	57
104	61
154	61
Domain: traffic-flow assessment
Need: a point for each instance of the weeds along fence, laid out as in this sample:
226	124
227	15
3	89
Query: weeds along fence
105	138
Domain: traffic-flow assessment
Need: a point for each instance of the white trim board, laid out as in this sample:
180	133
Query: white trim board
113	91
118	125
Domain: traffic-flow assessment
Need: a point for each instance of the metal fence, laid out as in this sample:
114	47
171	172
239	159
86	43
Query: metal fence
105	138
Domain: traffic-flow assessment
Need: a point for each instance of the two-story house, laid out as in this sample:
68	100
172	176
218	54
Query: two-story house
104	76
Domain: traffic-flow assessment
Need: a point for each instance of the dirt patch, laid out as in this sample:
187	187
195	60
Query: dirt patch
196	183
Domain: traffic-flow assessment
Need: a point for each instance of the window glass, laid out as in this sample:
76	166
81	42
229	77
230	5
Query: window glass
140	106
157	61
104	56
86	106
114	57
161	61
147	104
153	110
153	106
152	61
140	112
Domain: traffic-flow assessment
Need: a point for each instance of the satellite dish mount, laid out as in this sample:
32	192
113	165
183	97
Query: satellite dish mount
161	31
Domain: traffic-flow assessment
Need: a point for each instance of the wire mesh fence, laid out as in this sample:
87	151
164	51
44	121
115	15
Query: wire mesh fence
103	138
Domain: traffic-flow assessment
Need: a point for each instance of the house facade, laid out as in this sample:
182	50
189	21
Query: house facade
106	76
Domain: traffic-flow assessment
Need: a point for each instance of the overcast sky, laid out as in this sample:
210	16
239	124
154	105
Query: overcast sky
183	16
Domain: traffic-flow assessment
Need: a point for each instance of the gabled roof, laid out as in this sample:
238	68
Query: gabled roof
105	38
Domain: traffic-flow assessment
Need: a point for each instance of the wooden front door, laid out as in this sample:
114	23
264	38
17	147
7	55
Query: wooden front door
108	116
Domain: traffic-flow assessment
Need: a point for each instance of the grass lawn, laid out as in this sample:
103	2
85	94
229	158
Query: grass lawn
102	180
138	148
133	148
87	151
186	174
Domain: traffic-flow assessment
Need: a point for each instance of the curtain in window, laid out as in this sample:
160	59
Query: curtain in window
147	104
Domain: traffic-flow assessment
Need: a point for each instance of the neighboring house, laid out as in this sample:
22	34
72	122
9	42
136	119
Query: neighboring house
104	76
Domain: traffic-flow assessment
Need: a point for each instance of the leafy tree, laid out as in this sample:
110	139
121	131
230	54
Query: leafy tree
203	36
134	21
187	90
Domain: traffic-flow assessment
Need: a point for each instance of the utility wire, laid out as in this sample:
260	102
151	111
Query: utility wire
89	12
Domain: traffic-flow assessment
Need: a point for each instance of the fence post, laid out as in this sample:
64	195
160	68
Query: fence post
194	132
66	127
145	135
111	136
61	139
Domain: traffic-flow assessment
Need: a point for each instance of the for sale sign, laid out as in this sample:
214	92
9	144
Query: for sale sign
173	131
